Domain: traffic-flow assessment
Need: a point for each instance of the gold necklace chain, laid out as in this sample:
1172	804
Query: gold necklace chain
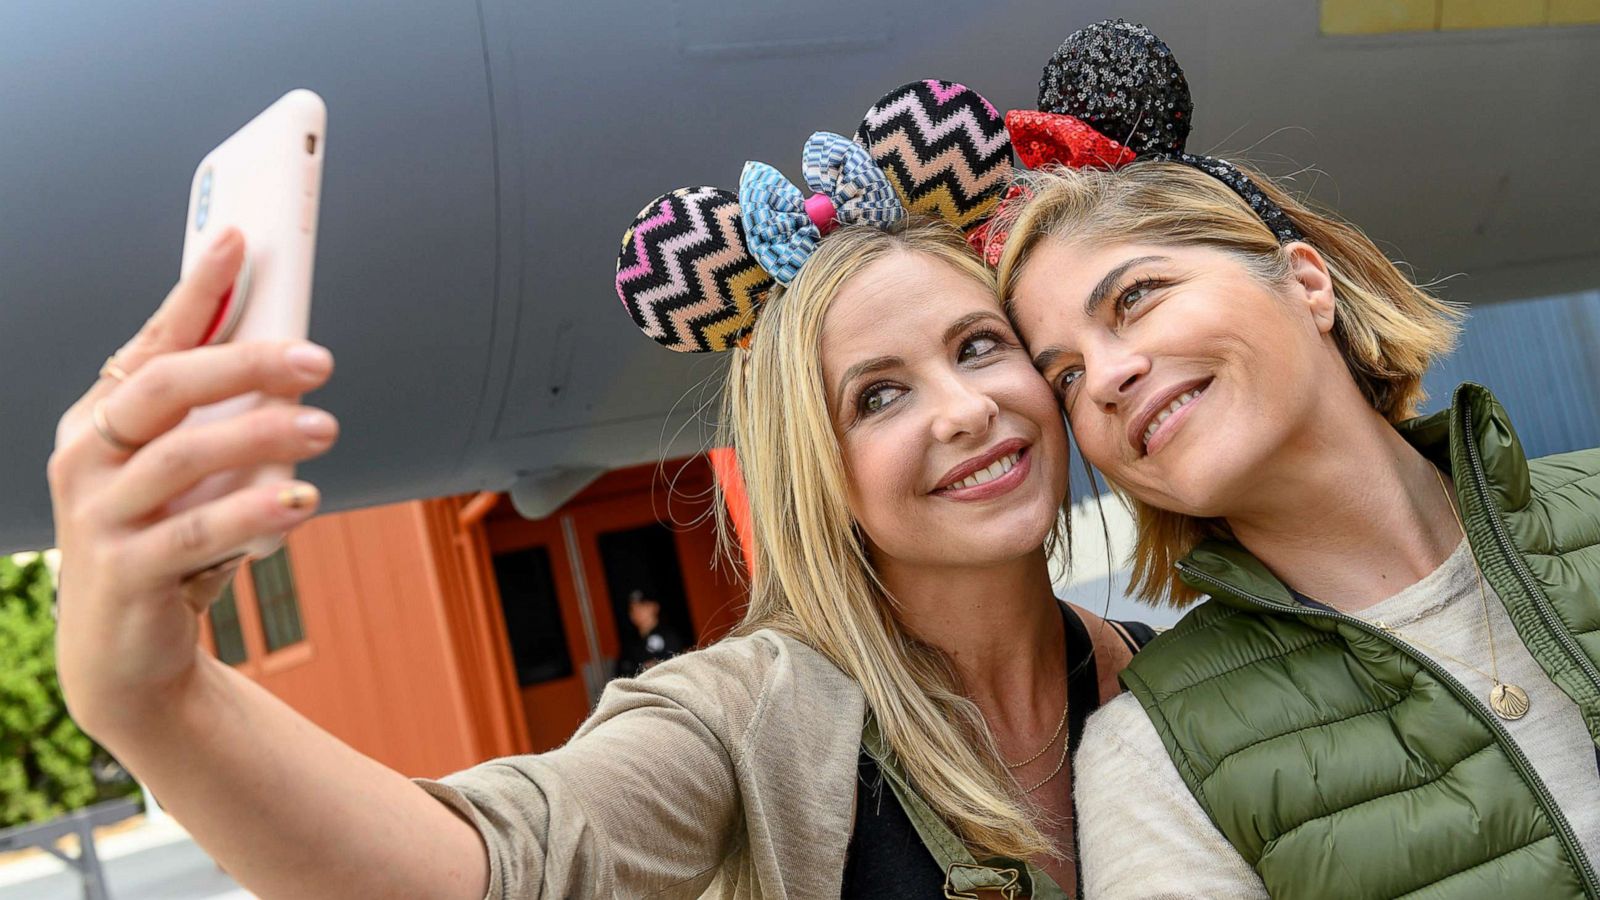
1507	700
1048	744
1059	764
1436	651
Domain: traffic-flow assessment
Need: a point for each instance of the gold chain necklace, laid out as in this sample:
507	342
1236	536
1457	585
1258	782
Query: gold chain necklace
1059	763
1048	744
1508	701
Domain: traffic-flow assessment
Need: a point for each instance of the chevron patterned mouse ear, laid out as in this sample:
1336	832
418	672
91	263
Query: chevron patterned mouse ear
685	273
943	147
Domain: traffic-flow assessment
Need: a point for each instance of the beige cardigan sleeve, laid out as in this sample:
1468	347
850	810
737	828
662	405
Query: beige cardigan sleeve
1141	833
643	801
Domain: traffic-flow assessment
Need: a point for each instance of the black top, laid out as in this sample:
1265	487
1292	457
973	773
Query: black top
886	858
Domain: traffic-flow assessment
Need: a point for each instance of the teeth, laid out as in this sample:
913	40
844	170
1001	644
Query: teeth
1172	407
996	469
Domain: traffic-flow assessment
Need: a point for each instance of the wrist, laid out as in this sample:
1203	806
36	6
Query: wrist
122	715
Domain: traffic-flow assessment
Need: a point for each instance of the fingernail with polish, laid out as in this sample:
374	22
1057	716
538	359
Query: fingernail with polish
224	242
297	496
310	359
315	424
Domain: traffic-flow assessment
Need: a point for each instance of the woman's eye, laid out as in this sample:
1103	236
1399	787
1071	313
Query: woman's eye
876	398
978	346
1136	294
1067	379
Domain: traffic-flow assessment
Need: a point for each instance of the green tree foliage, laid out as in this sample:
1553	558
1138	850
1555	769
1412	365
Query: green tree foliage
47	765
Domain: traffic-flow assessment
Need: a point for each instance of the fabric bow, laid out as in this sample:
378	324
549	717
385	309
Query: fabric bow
1044	138
783	227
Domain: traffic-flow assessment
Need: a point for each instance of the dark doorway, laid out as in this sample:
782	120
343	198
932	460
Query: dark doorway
533	615
645	559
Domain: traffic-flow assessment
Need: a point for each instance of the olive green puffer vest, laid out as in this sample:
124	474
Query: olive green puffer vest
1341	763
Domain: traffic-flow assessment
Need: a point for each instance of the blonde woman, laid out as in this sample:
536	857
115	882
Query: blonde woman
893	718
1391	687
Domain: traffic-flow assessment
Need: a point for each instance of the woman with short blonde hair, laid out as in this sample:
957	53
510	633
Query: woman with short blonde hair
1392	685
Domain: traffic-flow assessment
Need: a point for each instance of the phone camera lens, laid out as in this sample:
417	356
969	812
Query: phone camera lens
203	202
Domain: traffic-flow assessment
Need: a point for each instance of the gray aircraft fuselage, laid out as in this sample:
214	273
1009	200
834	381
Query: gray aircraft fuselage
484	158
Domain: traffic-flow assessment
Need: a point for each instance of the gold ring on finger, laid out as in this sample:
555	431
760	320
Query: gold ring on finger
102	425
113	370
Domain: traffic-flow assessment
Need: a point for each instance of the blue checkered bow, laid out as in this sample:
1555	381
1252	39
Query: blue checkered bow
783	226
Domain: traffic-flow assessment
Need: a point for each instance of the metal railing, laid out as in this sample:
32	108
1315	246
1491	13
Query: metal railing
81	822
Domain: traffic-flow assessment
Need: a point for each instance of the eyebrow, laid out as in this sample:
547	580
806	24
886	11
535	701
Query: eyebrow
967	321
879	363
876	364
1091	307
1102	291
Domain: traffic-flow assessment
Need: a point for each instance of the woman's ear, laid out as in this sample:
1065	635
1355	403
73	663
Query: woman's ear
1309	272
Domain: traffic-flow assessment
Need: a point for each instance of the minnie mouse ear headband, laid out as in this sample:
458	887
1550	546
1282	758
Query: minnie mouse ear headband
697	263
1113	93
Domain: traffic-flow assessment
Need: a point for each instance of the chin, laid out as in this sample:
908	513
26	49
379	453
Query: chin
1204	485
1004	539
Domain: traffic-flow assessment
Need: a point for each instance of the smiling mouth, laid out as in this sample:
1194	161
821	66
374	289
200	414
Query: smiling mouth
1155	424
994	470
1167	412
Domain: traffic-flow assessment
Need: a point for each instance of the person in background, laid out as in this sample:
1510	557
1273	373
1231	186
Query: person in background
654	642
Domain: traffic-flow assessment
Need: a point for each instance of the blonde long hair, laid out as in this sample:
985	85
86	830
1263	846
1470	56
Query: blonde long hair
1386	327
811	576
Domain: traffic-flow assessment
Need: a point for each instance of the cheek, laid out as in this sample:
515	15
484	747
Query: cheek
1017	385
1097	436
881	466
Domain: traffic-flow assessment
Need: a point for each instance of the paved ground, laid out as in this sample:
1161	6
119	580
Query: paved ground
154	861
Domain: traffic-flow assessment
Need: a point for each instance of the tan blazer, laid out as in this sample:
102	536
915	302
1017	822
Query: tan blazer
728	772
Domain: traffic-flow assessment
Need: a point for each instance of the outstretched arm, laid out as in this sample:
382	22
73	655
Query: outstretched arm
288	809
643	800
284	806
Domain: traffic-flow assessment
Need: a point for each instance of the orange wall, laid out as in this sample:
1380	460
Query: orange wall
379	667
405	655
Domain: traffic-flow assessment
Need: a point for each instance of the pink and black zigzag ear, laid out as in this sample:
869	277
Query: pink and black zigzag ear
944	148
686	275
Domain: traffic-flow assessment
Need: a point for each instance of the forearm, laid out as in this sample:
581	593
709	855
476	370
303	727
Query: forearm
288	809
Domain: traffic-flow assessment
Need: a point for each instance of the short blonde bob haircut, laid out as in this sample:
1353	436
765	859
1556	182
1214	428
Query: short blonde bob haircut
811	575
1387	328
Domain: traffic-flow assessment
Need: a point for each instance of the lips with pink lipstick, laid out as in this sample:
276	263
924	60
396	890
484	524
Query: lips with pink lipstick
1164	414
994	472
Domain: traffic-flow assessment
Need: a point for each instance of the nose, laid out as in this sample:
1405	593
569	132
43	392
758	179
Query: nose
1111	372
963	411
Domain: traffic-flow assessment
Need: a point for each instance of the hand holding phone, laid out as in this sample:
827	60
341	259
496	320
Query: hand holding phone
265	180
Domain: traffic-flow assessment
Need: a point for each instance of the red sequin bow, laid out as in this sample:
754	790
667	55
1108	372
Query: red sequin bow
1042	139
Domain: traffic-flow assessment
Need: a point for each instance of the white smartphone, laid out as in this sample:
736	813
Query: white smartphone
265	180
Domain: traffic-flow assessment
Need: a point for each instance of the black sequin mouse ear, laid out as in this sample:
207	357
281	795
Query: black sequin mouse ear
685	272
1122	81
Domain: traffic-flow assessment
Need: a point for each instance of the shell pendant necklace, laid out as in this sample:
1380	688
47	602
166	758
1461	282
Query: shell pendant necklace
1509	701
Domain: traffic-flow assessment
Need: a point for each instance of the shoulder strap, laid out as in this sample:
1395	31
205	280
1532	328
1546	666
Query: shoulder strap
1134	634
964	876
1083	676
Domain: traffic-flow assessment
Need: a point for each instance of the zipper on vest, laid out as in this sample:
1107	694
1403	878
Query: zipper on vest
1569	838
1529	584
